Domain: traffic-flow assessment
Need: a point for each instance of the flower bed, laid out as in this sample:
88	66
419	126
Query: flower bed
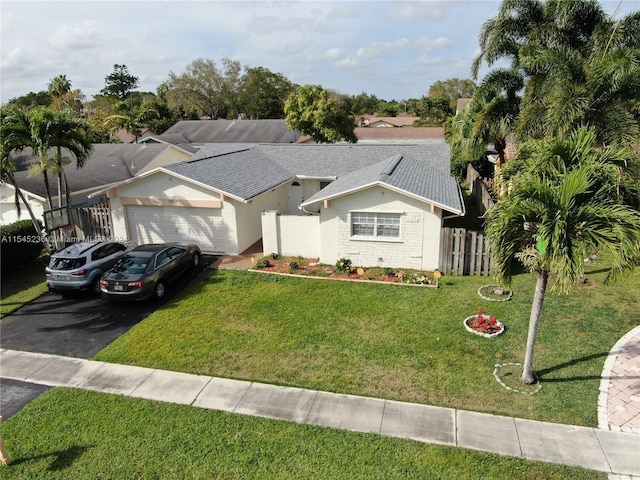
484	325
343	270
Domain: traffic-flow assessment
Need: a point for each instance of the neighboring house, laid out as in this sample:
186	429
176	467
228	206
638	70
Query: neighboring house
224	131
109	163
400	121
8	211
376	204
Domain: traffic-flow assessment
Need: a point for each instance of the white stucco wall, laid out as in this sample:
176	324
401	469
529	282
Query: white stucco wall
167	157
8	212
248	215
417	247
161	186
291	235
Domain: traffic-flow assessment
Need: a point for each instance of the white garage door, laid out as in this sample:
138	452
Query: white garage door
202	226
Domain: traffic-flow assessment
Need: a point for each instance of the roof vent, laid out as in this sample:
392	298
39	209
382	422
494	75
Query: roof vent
391	166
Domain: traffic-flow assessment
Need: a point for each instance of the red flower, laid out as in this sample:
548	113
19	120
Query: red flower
480	319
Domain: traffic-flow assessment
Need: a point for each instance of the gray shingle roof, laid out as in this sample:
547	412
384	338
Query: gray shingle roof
243	174
245	171
109	163
229	131
403	173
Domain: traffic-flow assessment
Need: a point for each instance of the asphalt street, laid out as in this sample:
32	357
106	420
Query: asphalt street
78	325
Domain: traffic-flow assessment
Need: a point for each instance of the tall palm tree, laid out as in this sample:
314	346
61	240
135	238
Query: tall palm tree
7	169
568	202
46	131
578	66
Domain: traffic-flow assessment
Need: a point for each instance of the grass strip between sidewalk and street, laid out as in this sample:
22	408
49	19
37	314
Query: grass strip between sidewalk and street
80	434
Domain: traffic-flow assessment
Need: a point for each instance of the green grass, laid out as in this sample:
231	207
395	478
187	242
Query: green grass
22	286
389	341
79	434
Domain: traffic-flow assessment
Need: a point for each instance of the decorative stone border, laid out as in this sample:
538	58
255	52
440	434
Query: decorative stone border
485	335
345	279
507	297
496	373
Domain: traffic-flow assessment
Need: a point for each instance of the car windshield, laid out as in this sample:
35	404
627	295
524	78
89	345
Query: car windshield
132	264
61	263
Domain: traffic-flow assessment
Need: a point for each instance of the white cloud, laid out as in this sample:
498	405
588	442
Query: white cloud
429	45
370	54
85	36
414	11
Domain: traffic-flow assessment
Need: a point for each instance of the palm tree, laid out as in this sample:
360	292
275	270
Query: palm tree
58	86
7	169
44	130
568	201
577	67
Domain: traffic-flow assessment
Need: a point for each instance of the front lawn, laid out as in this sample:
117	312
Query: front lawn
22	286
388	341
69	434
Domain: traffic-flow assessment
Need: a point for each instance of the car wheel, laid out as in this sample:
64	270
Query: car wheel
95	285
160	290
195	261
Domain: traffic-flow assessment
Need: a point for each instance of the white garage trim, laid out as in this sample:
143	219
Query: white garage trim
171	202
158	224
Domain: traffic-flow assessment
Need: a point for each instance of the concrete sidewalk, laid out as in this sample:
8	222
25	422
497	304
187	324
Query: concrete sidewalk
602	450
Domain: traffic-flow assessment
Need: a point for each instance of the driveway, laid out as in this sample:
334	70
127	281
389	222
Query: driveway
73	326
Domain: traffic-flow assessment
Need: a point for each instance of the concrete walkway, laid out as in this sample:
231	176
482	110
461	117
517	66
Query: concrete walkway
616	453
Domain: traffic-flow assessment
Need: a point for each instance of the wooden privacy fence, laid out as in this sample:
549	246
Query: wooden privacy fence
479	190
464	252
94	221
74	224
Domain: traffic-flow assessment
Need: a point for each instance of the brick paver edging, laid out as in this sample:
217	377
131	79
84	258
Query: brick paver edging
606	378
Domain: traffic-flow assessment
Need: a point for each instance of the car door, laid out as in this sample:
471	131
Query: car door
108	255
177	261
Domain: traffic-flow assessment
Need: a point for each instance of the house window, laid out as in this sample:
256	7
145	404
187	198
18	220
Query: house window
377	225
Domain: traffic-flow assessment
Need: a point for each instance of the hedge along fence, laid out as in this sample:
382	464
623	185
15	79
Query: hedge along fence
21	244
464	252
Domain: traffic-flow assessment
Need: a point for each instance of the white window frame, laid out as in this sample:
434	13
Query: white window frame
377	223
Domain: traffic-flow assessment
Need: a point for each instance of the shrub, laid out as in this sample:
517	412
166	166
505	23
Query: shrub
274	256
343	266
293	266
263	263
389	271
21	245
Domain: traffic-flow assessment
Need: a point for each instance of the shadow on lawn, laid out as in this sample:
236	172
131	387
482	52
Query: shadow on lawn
61	459
542	373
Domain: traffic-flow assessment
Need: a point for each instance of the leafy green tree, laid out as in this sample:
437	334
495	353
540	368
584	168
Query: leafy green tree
262	93
312	111
363	103
31	100
205	88
388	109
120	83
568	200
452	89
433	112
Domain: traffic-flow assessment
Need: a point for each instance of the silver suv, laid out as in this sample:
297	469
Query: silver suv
79	267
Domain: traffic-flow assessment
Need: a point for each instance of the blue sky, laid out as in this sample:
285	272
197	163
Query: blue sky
393	49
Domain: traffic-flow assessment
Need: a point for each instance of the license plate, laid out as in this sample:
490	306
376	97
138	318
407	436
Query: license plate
118	288
59	277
